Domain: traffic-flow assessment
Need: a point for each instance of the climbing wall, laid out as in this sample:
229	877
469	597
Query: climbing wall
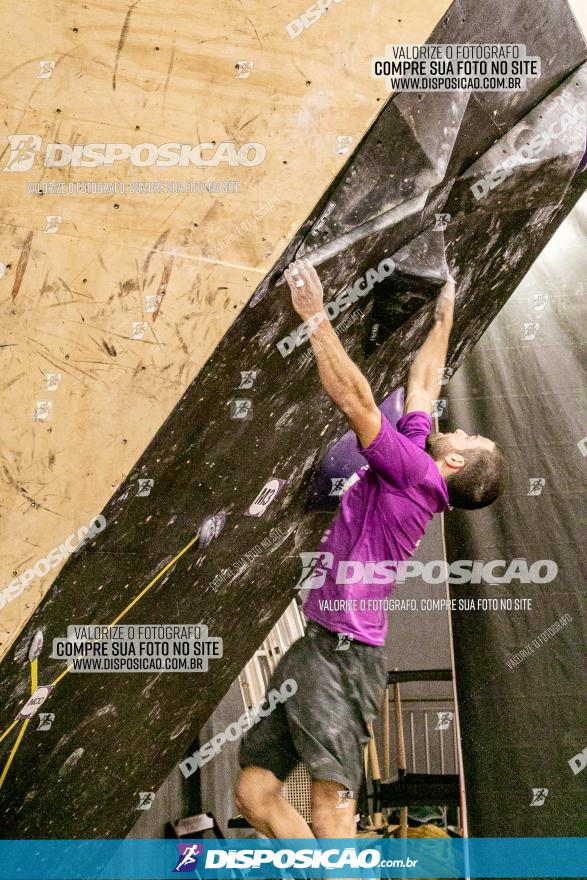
72	291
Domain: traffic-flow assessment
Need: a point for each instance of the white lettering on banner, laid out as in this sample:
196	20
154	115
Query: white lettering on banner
330	858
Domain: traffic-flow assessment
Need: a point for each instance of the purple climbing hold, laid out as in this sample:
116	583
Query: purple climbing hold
344	460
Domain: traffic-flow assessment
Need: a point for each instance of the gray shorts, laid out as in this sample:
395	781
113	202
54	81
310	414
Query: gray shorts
324	723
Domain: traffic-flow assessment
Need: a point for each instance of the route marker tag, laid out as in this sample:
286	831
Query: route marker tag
34	703
265	497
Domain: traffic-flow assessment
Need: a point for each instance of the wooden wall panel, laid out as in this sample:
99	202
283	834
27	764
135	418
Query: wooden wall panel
151	72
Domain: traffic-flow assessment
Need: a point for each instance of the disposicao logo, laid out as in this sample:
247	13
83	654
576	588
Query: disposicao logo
24	149
187	858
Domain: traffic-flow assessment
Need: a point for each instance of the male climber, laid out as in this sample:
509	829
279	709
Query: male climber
411	475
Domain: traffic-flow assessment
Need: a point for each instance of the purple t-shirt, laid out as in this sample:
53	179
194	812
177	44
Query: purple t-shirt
383	516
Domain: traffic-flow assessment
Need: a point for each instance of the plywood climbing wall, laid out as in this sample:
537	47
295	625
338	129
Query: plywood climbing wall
110	303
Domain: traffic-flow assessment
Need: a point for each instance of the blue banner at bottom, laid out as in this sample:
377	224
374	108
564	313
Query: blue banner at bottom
369	858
